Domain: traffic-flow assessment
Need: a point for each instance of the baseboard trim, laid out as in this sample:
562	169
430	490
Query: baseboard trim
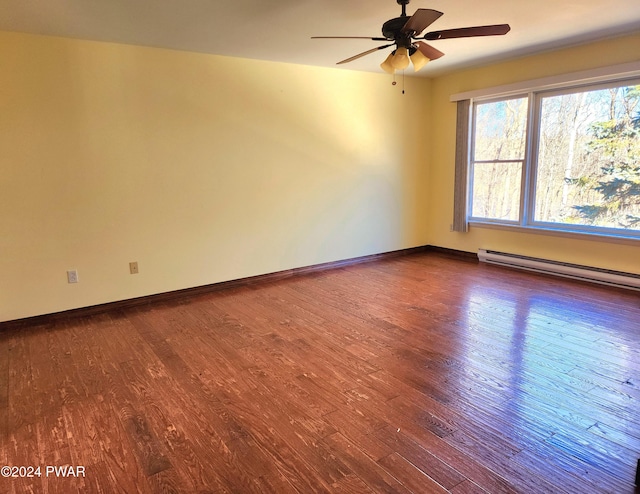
45	319
455	254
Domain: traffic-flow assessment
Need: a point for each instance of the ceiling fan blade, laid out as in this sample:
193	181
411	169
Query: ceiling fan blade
419	21
467	32
429	51
349	37
355	57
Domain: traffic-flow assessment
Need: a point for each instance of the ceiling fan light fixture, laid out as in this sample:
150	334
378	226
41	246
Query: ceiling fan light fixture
386	65
400	60
405	33
419	60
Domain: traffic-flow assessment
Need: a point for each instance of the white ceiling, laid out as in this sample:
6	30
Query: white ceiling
280	30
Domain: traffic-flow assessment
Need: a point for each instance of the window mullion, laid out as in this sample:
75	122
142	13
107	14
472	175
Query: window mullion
531	160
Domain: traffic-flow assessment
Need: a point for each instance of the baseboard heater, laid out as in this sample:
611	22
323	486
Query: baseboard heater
585	273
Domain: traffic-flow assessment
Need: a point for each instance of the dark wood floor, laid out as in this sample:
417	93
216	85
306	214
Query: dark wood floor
414	374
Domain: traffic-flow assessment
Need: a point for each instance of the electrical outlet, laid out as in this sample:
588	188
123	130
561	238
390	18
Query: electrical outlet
133	267
72	276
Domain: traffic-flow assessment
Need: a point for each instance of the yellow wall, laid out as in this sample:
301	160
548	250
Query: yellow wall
624	257
201	168
205	168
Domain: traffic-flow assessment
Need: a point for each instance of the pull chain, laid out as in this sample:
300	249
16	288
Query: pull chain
394	82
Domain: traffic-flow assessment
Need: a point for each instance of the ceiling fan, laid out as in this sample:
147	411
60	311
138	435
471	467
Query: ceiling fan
404	33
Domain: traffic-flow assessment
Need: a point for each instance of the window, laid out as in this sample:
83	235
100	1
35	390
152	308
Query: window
498	158
565	159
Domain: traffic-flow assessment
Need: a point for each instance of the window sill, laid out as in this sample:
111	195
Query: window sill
558	232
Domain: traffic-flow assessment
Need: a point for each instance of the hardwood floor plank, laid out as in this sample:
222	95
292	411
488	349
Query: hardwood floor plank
27	406
567	470
440	472
467	487
414	479
98	441
356	430
363	466
4	369
420	373
597	452
274	484
146	445
624	439
293	459
351	484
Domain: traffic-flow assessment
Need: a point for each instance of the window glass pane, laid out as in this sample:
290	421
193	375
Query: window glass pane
500	128
589	159
496	190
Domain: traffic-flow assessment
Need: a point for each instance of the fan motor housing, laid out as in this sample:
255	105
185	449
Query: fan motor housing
392	29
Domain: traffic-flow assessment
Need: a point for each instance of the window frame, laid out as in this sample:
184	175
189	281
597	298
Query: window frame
471	161
526	220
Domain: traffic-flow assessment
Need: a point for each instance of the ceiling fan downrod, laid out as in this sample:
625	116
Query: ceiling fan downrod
404	6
